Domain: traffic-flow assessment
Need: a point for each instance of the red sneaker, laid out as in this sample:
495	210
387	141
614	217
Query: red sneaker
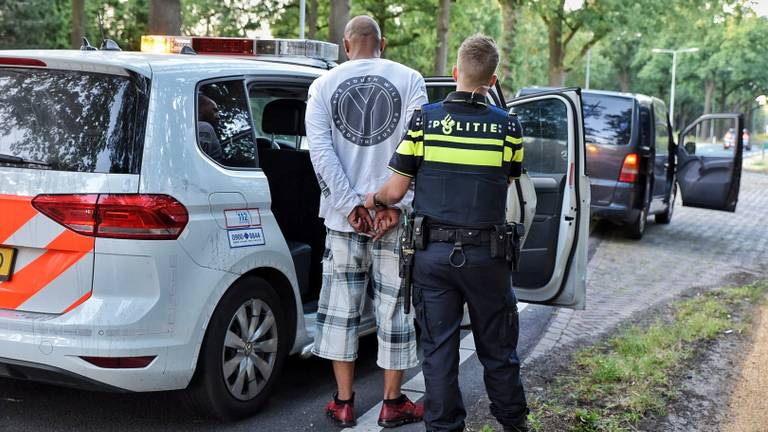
343	414
395	415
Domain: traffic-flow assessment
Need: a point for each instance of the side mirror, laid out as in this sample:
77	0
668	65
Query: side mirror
690	148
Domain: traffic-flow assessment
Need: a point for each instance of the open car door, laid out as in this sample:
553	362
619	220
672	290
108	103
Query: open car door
553	265
709	153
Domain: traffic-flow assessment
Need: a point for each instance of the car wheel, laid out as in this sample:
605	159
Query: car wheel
242	353
636	229
666	216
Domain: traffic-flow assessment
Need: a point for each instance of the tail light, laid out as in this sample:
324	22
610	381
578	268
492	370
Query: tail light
140	217
120	362
630	169
21	61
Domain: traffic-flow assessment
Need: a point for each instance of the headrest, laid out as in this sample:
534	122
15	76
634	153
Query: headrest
284	117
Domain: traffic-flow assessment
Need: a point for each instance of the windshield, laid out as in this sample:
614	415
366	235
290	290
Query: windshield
607	119
73	120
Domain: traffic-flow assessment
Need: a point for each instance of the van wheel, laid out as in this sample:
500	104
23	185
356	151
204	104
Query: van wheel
242	353
666	217
636	229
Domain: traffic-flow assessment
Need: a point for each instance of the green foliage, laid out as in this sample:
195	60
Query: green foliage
286	24
621	34
124	21
34	24
227	17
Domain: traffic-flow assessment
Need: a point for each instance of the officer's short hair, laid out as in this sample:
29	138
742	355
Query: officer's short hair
478	58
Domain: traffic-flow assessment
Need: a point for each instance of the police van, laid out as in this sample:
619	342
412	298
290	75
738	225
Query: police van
159	221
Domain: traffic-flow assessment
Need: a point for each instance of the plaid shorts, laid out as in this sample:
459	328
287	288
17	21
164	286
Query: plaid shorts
349	262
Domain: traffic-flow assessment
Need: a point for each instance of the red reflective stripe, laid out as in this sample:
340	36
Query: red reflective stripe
15	211
63	252
79	301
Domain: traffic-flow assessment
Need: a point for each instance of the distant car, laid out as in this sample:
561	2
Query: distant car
745	140
635	167
729	139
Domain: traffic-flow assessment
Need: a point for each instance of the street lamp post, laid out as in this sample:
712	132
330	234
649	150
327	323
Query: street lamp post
302	14
674	67
589	61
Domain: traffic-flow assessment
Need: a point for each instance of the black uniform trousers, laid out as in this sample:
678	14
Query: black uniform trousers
440	291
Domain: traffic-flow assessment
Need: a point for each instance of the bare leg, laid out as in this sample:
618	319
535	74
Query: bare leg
392	381
345	375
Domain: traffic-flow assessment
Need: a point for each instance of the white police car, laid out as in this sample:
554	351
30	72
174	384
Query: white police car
158	215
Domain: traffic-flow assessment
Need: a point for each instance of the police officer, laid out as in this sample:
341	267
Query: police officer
462	154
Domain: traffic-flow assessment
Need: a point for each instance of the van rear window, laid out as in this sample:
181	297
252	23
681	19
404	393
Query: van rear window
73	120
607	119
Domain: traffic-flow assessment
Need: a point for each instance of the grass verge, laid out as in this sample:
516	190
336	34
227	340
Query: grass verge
756	163
615	384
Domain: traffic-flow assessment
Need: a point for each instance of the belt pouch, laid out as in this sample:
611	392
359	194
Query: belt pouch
499	242
419	233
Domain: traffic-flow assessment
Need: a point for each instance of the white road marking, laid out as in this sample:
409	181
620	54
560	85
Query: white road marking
415	388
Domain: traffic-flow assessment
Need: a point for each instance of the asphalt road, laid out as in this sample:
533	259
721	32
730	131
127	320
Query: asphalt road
296	405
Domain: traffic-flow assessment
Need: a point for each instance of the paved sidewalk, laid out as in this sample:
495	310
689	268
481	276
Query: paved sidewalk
699	248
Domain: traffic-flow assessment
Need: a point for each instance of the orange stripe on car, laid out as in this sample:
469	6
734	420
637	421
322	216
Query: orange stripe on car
70	241
79	301
15	211
62	253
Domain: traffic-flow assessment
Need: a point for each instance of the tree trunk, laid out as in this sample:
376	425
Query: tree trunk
337	20
443	25
165	17
312	20
709	95
723	96
625	78
556	52
78	24
510	14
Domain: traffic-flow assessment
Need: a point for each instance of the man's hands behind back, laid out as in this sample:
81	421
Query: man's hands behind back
385	220
360	220
376	227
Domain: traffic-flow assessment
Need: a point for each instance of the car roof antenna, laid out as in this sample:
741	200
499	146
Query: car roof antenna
106	44
101	24
86	46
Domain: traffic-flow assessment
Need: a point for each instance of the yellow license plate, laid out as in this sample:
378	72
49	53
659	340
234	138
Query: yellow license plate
7	258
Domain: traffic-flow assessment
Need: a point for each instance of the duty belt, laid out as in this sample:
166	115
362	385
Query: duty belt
460	237
465	236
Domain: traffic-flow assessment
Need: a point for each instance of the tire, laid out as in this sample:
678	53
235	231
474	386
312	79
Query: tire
666	217
636	229
235	375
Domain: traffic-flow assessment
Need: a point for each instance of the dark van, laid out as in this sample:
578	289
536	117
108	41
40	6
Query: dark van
635	167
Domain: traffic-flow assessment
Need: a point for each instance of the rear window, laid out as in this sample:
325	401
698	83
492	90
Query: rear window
73	120
607	119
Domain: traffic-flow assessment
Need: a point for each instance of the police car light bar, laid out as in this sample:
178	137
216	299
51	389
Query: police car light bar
242	46
164	44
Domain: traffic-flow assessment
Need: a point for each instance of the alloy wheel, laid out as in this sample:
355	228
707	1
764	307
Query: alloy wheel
250	349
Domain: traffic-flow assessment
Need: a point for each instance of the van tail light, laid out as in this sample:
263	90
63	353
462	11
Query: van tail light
123	216
120	362
630	169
